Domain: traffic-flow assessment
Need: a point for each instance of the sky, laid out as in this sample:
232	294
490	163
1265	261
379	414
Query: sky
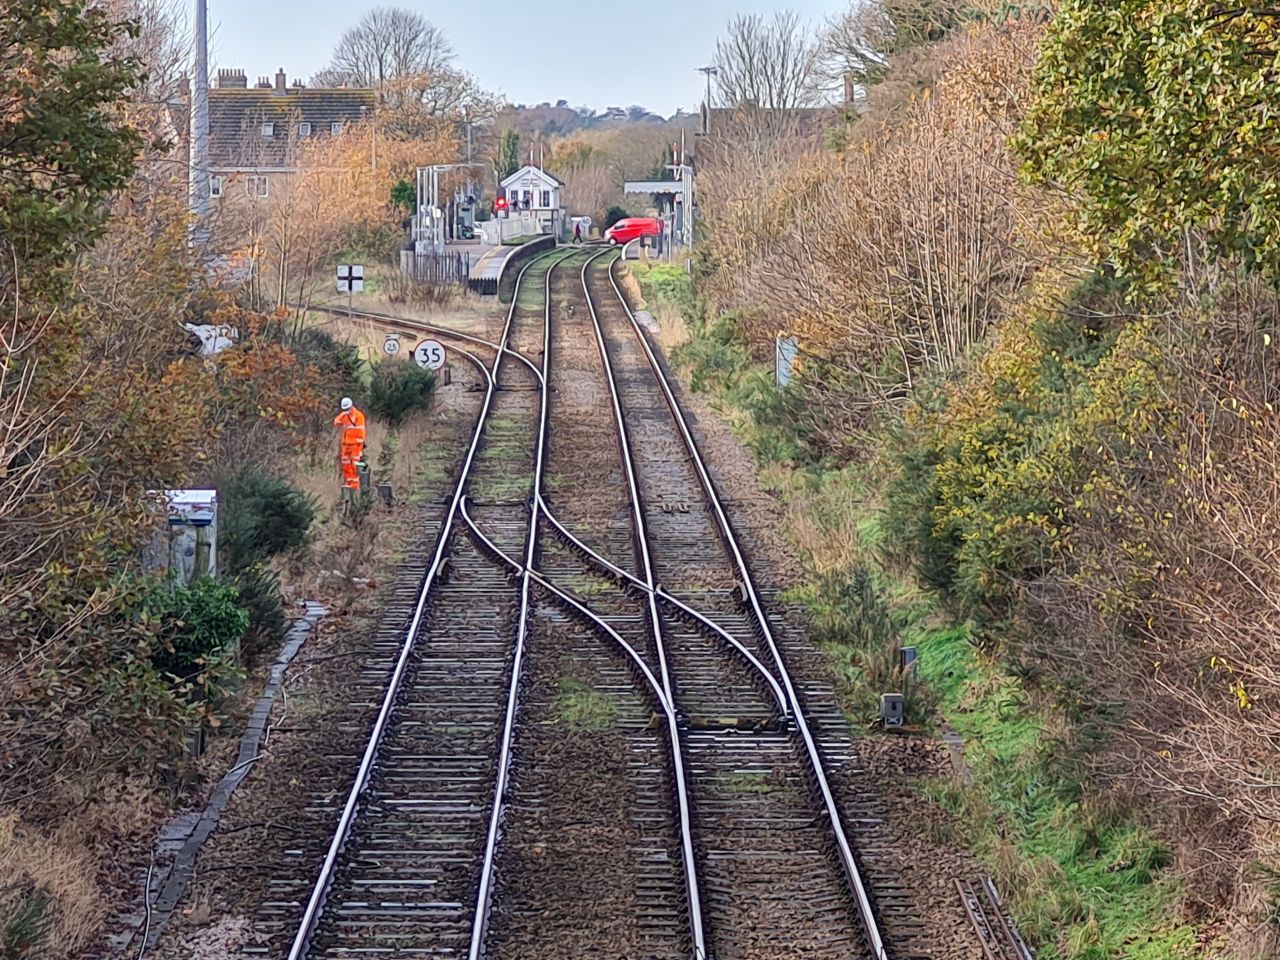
598	53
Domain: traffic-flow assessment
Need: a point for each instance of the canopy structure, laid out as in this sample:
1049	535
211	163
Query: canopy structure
681	193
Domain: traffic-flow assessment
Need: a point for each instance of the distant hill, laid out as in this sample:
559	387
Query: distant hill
545	120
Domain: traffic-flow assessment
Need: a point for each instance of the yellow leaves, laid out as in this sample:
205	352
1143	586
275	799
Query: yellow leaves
1243	700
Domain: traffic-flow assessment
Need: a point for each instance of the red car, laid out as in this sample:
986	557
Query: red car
624	231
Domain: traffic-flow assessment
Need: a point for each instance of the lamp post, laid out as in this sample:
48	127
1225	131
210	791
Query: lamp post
710	72
198	160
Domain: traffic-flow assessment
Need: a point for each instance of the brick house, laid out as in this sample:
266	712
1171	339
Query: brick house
254	131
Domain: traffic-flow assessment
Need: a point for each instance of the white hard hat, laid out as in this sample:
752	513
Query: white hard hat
346	403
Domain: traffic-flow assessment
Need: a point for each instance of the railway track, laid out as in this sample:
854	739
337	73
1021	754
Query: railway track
591	726
991	922
398	870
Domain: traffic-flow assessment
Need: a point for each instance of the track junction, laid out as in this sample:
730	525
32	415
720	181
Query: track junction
594	733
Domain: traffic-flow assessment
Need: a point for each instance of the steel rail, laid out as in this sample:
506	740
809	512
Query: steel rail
424	327
766	675
575	604
847	858
320	891
612	569
684	807
484	896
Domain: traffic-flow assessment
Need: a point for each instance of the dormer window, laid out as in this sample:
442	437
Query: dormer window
304	130
268	129
336	127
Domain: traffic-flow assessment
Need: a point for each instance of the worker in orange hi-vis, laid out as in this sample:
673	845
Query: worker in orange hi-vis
351	422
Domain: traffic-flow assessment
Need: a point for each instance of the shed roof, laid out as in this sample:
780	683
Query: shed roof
523	174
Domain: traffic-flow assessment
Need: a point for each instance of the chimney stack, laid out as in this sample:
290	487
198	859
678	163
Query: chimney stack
232	80
282	86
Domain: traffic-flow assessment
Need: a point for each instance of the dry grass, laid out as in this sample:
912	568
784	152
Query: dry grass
58	867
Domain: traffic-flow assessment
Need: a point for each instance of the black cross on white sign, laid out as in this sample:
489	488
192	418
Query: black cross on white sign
350	278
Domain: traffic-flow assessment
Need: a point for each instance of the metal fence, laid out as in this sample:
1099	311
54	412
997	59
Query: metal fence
437	269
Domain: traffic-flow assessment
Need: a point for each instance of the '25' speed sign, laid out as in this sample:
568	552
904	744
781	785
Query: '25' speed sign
429	354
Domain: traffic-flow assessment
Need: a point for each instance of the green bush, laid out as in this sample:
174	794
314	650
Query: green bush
399	388
259	596
329	361
371	242
196	625
716	356
404	195
262	516
856	625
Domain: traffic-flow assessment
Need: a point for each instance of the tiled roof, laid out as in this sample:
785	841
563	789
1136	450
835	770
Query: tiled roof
236	119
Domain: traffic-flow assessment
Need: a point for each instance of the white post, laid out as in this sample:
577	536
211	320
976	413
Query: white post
198	163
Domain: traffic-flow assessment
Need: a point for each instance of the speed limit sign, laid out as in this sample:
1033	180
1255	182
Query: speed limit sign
391	346
429	355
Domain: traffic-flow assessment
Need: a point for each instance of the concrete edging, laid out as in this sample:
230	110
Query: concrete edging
181	839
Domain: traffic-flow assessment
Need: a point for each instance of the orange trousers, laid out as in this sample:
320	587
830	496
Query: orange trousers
350	456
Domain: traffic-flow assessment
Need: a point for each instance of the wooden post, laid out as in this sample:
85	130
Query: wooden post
202	552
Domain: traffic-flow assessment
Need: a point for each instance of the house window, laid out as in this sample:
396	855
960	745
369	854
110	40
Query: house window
546	199
336	127
215	187
268	129
304	130
255	186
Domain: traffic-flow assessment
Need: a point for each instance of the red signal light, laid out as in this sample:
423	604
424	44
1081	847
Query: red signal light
500	203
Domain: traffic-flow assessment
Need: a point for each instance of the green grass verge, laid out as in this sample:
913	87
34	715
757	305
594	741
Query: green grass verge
1084	878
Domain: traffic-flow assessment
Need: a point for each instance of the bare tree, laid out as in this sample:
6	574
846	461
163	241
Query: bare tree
162	45
858	43
413	101
387	43
768	63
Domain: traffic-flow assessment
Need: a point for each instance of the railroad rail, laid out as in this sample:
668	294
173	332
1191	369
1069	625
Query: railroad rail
749	594
430	845
482	584
991	921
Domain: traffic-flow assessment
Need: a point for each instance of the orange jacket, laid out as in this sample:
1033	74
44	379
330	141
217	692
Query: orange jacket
351	423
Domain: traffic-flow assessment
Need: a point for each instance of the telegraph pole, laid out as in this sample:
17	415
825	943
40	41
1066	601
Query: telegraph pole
198	168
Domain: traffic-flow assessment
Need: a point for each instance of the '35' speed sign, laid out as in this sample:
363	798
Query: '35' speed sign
429	354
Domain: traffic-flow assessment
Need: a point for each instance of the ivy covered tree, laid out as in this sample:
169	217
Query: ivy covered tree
64	147
1160	119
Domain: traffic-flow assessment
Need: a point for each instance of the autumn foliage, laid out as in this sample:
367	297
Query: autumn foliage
104	401
1033	285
